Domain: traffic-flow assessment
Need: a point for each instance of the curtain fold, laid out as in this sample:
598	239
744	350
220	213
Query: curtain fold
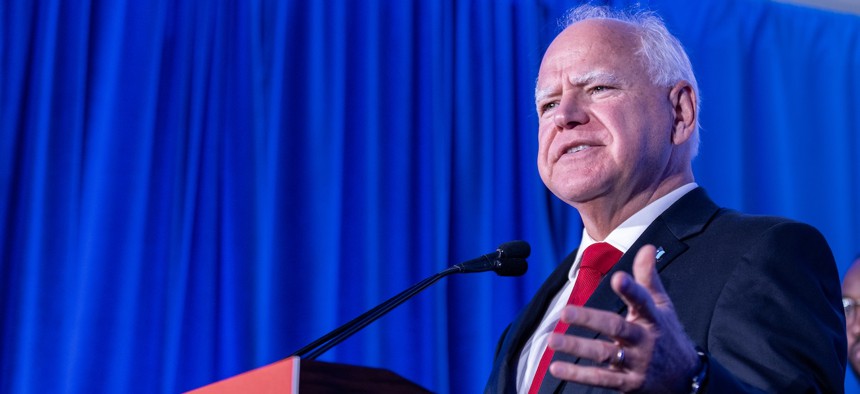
192	189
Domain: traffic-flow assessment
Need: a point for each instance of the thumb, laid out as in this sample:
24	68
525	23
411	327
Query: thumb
645	273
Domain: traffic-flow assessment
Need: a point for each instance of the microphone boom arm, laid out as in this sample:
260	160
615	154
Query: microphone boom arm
511	263
345	331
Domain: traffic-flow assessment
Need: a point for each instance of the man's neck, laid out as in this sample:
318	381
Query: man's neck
602	215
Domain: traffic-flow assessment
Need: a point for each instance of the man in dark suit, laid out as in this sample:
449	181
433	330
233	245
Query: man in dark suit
718	301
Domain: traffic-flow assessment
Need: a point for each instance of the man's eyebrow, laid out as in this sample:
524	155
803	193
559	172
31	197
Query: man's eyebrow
584	79
594	76
541	94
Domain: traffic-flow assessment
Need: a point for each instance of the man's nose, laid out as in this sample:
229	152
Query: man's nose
570	113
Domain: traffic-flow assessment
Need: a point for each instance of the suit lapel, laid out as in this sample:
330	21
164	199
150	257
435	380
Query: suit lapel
686	218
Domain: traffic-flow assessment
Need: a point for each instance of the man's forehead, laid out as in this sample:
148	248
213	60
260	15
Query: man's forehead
589	44
605	31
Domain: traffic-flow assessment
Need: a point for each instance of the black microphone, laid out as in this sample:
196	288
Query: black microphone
508	260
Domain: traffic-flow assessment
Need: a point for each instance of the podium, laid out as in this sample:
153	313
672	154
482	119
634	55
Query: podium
295	376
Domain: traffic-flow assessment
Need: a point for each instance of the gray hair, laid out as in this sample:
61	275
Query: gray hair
662	52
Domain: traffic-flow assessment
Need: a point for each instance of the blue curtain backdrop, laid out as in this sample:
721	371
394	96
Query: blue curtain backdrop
190	189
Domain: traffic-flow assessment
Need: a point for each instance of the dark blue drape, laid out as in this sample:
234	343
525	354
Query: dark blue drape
191	189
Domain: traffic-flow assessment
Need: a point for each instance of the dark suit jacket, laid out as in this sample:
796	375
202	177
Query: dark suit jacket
761	295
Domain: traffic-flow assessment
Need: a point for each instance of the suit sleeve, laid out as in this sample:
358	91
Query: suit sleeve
778	325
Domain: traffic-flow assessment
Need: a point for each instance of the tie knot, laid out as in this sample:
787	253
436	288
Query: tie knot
600	256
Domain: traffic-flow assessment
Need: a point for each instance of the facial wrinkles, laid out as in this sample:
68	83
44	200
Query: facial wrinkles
554	66
578	63
569	71
568	87
573	92
593	77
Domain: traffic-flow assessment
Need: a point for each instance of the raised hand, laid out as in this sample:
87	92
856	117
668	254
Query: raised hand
650	352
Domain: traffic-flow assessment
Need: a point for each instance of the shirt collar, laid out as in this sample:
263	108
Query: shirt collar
623	236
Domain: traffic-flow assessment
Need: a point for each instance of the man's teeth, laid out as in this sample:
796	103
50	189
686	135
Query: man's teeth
577	148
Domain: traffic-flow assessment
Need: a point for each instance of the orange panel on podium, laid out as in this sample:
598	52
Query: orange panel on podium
280	377
291	376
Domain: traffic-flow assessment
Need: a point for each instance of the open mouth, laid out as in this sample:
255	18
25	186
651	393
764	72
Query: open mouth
578	148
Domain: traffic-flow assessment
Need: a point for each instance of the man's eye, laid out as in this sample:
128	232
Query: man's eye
548	106
600	88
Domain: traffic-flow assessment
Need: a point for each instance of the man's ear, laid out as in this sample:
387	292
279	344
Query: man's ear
684	105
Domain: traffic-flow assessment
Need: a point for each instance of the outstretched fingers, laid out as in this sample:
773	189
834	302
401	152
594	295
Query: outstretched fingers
593	376
599	351
607	323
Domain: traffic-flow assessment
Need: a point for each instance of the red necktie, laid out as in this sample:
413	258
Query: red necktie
597	260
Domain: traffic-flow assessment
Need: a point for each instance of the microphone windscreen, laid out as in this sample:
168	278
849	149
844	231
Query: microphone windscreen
515	249
511	266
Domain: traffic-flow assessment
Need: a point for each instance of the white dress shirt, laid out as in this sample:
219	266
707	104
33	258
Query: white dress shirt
622	238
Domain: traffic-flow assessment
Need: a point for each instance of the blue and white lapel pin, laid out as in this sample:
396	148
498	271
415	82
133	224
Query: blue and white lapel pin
660	253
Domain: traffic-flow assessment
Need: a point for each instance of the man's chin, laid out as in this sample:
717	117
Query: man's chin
575	194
